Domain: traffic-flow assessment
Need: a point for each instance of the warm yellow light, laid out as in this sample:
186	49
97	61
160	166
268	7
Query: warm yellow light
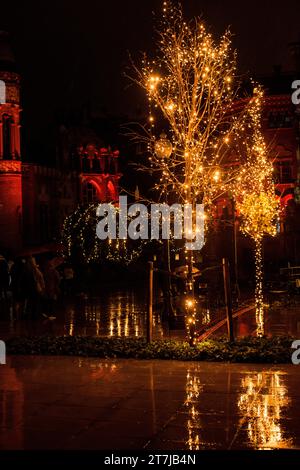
190	303
256	200
153	81
170	106
193	94
163	148
216	175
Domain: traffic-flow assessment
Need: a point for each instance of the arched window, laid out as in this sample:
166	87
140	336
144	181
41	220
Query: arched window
6	122
2	92
89	193
111	191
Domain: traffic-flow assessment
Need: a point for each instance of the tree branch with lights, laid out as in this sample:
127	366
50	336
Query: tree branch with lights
191	87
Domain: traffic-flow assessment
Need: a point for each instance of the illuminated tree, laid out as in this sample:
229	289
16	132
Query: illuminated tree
81	243
255	195
191	87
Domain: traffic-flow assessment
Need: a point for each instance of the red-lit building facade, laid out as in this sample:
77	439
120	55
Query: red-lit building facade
281	130
35	199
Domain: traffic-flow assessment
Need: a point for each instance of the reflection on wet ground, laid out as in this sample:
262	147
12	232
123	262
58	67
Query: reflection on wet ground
79	403
279	320
112	313
123	313
263	410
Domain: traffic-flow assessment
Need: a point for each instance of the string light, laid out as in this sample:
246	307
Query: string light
191	86
255	196
79	238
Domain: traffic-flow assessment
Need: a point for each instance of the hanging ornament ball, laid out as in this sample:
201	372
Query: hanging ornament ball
163	147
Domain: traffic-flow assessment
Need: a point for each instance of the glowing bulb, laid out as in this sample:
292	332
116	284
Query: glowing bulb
217	176
190	303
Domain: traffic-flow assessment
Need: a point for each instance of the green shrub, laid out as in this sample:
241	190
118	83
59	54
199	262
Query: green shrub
255	350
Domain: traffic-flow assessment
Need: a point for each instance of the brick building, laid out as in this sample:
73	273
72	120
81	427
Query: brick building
35	199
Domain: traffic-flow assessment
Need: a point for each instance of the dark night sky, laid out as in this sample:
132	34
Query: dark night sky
71	53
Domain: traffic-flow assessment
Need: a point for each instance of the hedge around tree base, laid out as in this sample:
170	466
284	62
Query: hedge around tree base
276	350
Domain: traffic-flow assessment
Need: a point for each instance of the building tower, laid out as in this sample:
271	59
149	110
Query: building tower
10	153
99	174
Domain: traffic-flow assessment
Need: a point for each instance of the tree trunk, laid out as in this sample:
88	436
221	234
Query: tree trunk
259	299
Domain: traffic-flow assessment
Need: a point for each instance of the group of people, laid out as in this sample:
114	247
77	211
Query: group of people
32	290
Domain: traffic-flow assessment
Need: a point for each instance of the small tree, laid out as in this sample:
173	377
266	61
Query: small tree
255	197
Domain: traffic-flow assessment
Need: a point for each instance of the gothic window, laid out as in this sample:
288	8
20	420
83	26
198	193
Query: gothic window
112	191
2	92
96	166
6	122
89	193
85	164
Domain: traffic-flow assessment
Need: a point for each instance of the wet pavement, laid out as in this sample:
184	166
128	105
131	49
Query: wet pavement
112	313
76	403
123	312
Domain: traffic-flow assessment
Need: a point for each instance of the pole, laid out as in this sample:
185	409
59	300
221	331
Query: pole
236	274
168	311
150	304
228	303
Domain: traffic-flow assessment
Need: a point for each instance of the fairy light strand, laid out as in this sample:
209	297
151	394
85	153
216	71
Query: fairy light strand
255	197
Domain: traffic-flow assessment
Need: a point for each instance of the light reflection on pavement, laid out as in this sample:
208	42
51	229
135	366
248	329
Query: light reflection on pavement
85	403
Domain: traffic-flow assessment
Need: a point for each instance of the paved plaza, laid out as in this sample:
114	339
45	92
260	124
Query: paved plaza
81	403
